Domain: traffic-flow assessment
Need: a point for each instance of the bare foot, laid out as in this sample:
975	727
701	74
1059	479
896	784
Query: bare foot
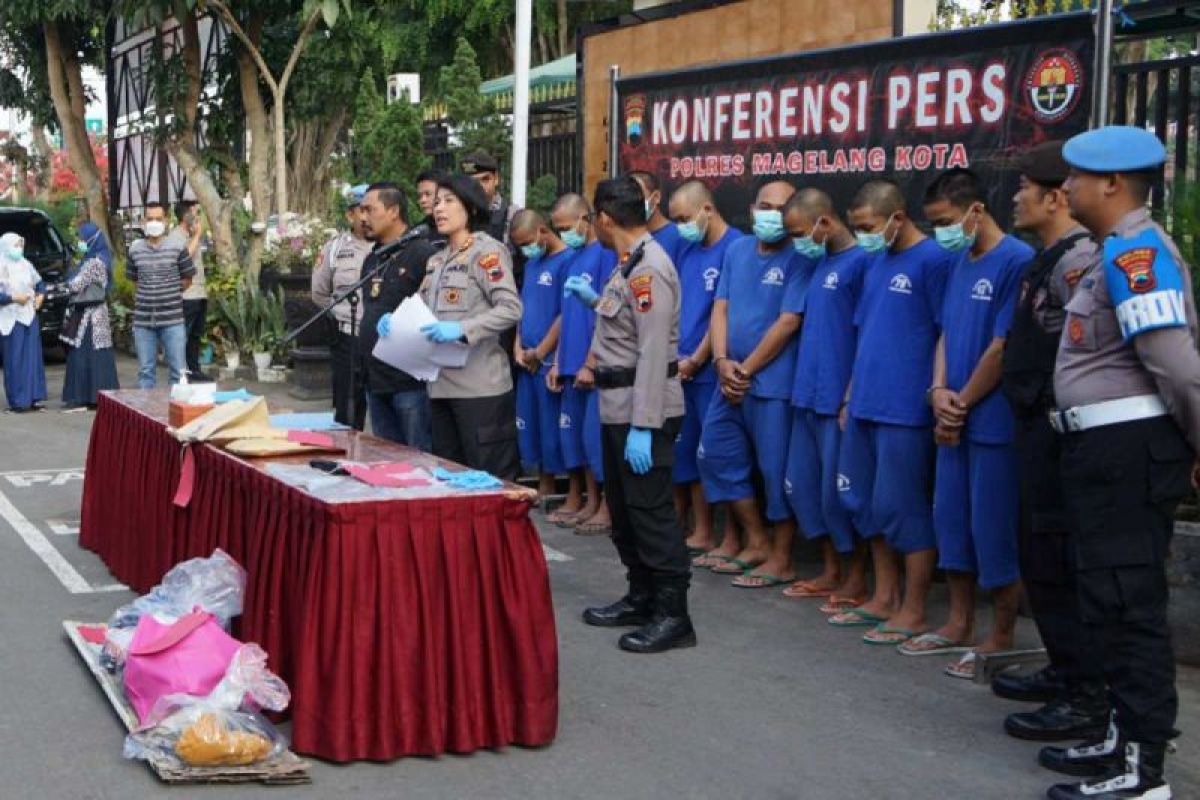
822	585
599	522
879	607
907	621
700	542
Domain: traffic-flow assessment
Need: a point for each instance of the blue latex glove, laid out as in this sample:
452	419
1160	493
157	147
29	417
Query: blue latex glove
384	326
442	331
637	450
577	285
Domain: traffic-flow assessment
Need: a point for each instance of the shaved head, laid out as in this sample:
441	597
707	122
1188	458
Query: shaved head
694	192
571	203
883	197
812	202
774	194
528	220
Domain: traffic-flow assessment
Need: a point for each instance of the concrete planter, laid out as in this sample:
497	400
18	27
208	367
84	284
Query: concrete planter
1183	576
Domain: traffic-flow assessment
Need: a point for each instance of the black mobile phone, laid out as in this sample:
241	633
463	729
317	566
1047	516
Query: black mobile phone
331	467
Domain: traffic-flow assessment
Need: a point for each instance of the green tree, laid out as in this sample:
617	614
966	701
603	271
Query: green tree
388	137
472	115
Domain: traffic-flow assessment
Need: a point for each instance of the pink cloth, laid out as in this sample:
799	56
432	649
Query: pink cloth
310	438
400	475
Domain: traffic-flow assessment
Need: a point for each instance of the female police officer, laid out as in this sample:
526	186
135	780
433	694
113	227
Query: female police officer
641	407
469	287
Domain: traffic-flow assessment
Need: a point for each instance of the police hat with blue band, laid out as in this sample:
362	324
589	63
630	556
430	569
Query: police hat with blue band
1115	148
355	194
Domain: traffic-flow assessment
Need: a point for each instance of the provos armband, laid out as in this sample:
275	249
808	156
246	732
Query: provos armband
1145	283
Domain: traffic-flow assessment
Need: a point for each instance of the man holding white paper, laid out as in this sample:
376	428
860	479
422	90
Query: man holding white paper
398	402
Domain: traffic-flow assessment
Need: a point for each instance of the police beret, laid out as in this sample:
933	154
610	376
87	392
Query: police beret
476	163
1044	164
1115	148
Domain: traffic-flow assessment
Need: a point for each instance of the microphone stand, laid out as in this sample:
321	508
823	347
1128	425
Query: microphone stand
350	296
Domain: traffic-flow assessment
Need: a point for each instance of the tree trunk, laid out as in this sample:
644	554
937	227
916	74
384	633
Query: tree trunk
279	123
66	91
312	144
563	28
259	153
43	154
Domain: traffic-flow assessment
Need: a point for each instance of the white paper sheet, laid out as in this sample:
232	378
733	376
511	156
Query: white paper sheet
407	349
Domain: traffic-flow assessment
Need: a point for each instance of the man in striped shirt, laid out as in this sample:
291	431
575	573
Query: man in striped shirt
162	270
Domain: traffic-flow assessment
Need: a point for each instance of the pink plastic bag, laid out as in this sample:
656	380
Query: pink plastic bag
189	657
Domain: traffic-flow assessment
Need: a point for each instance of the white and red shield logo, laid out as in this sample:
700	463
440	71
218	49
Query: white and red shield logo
1054	85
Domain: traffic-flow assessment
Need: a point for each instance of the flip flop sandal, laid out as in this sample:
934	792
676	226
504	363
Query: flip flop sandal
735	566
919	646
836	605
593	529
710	559
806	589
885	635
696	551
762	580
964	668
855	618
563	519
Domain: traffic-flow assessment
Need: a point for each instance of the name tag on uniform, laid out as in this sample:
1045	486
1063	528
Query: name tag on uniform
1145	283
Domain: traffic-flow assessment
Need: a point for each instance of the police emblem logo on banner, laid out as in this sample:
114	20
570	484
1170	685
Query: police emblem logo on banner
1054	84
1145	283
635	112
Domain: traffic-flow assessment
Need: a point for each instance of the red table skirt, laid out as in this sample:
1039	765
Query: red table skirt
409	627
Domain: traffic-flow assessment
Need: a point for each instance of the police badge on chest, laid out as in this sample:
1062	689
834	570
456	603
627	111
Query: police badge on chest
376	287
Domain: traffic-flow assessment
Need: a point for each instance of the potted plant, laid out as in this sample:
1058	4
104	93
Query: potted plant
271	326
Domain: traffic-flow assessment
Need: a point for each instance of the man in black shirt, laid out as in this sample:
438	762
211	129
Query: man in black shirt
397	402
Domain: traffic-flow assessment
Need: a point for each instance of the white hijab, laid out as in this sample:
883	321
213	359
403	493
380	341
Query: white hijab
16	277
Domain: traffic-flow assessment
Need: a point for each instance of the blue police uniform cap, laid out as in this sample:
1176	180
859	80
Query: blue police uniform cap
1114	148
355	194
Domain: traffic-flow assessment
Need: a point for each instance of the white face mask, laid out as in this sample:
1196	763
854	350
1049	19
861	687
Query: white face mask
155	228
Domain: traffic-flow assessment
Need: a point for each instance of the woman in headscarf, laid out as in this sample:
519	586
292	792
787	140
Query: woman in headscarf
21	295
469	287
87	331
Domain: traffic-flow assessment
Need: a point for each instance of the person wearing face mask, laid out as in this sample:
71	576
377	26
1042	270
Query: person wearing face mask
536	341
887	444
1072	685
161	269
825	353
641	405
755	317
21	296
87	332
707	237
976	495
665	233
572	373
469	287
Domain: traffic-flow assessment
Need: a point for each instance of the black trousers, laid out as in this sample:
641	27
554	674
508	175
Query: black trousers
347	381
1047	555
478	432
645	529
1122	483
194	314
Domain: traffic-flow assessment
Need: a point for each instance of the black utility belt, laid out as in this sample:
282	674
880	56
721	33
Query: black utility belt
623	378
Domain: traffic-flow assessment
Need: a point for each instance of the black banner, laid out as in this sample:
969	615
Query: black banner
904	109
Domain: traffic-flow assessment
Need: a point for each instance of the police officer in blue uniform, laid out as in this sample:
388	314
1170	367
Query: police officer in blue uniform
1127	389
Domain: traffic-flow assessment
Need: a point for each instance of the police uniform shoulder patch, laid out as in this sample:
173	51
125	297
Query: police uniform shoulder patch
491	266
643	298
1145	283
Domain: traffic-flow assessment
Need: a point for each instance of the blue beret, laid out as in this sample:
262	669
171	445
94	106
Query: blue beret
355	194
1114	148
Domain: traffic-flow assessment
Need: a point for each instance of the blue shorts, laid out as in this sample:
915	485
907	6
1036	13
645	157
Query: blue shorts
537	423
572	406
696	399
890	471
975	509
734	439
813	485
591	436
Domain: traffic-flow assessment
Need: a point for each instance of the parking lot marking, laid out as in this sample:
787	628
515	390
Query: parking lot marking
60	528
41	547
554	555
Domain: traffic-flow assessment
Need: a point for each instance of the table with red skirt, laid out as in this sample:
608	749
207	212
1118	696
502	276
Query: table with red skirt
403	626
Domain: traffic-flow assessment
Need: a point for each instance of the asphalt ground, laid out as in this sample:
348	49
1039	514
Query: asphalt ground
773	703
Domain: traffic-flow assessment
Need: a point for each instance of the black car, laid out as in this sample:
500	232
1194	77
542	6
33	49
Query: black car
46	249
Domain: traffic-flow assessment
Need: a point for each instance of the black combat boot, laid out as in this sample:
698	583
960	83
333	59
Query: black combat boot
1136	776
670	625
635	608
1043	686
1081	712
1088	760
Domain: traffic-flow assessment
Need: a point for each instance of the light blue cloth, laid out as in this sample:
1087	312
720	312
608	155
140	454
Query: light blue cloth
319	421
469	479
228	396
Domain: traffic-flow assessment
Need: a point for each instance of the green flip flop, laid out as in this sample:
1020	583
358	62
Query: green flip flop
738	565
885	635
855	618
767	580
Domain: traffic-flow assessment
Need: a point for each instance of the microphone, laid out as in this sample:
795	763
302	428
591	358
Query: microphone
388	250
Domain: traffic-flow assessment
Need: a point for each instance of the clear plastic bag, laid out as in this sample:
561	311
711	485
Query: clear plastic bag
215	584
223	729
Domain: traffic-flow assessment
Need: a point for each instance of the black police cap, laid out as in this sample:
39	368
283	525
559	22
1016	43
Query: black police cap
477	163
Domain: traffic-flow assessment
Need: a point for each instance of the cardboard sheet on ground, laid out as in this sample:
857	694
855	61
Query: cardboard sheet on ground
407	349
